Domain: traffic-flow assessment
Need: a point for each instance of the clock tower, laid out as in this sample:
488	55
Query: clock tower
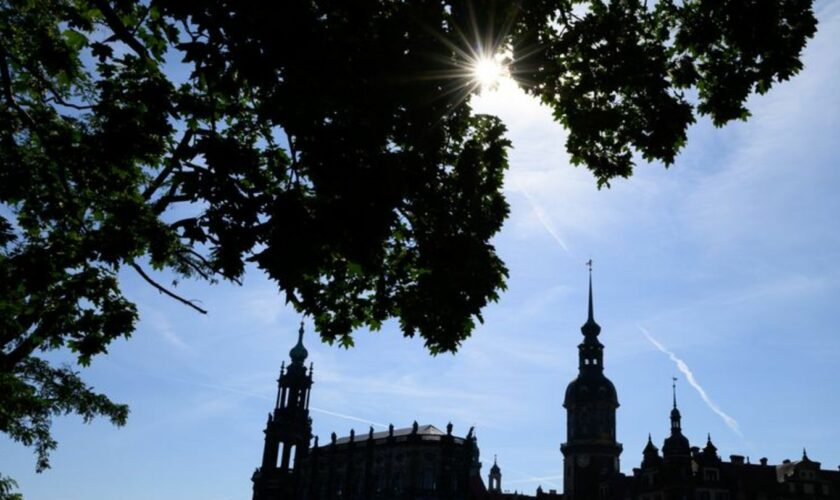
590	453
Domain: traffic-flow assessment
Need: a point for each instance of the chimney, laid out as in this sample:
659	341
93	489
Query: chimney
737	459
763	460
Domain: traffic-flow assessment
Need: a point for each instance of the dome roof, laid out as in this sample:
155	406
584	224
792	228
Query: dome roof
676	444
299	352
592	387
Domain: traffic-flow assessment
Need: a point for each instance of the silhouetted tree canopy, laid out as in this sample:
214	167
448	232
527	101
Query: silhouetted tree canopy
327	142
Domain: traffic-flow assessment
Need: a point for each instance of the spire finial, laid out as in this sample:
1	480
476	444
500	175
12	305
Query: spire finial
674	387
494	459
591	312
300	333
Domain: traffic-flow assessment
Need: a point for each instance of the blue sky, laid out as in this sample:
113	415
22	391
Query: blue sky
730	260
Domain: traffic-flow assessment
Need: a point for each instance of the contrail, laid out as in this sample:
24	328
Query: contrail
543	218
347	417
233	390
683	367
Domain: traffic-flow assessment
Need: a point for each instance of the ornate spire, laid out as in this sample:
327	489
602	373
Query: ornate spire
675	412
299	352
590	328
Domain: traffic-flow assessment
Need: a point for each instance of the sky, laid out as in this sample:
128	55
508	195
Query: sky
722	270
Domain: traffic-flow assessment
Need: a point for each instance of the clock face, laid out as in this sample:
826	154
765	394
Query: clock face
583	460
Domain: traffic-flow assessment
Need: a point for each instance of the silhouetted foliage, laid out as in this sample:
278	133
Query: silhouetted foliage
8	484
326	142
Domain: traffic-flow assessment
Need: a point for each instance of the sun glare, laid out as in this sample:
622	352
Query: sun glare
488	72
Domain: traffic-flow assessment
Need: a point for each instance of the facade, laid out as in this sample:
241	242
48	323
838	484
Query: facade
422	462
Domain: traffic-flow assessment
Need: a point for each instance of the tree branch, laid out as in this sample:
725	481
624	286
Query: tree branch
6	76
164	291
23	350
180	149
66	104
120	30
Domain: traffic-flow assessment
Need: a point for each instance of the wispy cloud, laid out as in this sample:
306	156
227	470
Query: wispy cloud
683	367
541	479
534	480
161	325
544	219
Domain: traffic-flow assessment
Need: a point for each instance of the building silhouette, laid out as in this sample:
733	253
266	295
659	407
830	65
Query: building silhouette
422	462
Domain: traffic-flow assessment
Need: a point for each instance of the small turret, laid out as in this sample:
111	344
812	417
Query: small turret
710	450
650	454
495	478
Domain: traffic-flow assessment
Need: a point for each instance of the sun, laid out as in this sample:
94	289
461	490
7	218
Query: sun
489	71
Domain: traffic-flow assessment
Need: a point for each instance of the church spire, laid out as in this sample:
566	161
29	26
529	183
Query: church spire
590	329
591	312
674	388
675	413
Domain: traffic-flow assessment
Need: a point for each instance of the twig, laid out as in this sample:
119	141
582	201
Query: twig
195	267
164	291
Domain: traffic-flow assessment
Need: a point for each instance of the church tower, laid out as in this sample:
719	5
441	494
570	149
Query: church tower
590	453
288	430
676	446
